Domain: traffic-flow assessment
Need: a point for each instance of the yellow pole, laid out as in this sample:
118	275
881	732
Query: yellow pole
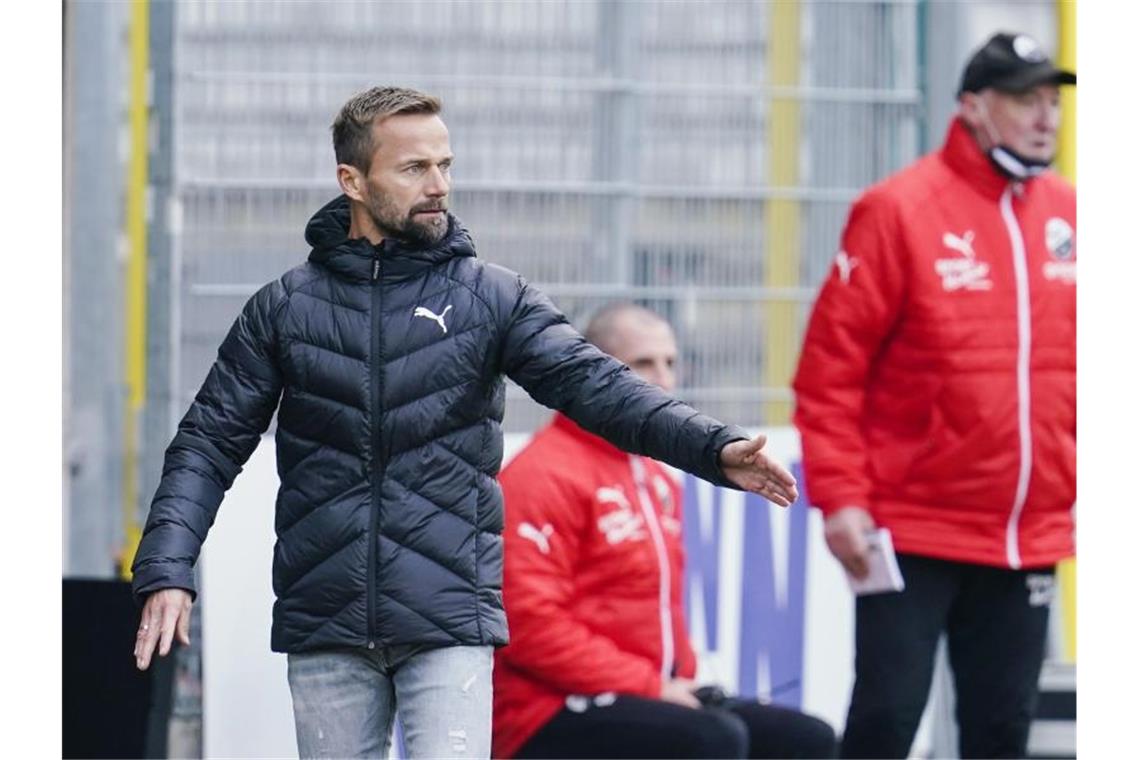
782	217
1067	165
135	286
1067	59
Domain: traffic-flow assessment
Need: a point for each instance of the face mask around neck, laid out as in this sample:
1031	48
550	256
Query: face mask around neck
1014	165
1009	162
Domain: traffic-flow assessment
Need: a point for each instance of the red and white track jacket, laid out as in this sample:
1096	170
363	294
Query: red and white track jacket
592	579
937	383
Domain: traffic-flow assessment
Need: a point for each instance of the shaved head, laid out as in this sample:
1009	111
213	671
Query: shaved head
638	337
612	319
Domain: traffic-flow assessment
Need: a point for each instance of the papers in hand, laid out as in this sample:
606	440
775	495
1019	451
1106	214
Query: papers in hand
883	574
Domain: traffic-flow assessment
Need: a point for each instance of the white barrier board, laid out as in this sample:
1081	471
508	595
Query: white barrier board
246	707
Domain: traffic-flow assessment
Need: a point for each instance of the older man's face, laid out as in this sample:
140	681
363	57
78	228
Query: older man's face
1024	121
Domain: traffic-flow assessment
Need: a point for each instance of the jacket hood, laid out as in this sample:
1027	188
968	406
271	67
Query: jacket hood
327	233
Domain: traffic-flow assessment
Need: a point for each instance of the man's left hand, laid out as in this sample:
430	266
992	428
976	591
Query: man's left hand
751	469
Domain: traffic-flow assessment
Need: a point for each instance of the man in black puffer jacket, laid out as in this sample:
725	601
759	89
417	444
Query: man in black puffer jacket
384	357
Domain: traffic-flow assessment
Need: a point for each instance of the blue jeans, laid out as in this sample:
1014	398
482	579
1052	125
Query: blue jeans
344	701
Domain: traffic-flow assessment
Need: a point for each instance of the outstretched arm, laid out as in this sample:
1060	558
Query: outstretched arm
561	370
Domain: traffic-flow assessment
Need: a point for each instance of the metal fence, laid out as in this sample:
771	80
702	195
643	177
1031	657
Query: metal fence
604	150
93	353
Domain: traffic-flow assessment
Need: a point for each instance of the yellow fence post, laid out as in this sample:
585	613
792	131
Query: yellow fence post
135	285
781	215
1067	165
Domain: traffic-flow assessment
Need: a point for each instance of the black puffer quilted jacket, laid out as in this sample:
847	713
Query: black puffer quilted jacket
388	365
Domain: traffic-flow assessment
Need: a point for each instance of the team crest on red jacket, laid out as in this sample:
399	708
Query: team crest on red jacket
1059	241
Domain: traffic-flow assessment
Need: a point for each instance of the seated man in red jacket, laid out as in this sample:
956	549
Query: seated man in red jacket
600	663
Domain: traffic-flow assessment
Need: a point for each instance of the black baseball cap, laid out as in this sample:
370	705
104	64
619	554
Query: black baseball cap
1011	63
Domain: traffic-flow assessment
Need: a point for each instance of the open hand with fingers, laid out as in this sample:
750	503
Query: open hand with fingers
746	465
165	613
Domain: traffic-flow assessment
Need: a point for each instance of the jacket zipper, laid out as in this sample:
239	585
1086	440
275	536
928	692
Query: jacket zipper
377	465
1024	343
665	608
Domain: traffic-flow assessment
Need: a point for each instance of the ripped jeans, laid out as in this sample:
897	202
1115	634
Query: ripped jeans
345	700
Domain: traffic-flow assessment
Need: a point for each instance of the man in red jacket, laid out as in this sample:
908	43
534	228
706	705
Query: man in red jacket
936	398
600	663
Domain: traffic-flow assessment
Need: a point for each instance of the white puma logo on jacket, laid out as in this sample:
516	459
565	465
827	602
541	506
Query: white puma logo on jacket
423	311
541	538
845	263
963	245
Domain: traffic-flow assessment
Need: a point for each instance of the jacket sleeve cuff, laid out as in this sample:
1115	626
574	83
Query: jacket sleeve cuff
157	576
727	435
652	687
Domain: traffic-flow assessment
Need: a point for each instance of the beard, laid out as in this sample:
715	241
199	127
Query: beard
392	222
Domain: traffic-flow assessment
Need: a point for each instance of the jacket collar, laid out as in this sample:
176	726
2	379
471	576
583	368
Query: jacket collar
327	233
601	445
966	159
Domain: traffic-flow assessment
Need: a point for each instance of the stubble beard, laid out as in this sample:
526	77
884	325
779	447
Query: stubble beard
405	227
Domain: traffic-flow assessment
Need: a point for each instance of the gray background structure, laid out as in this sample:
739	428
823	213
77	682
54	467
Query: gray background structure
604	150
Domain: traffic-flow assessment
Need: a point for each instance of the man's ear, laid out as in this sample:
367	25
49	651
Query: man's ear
970	109
351	181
